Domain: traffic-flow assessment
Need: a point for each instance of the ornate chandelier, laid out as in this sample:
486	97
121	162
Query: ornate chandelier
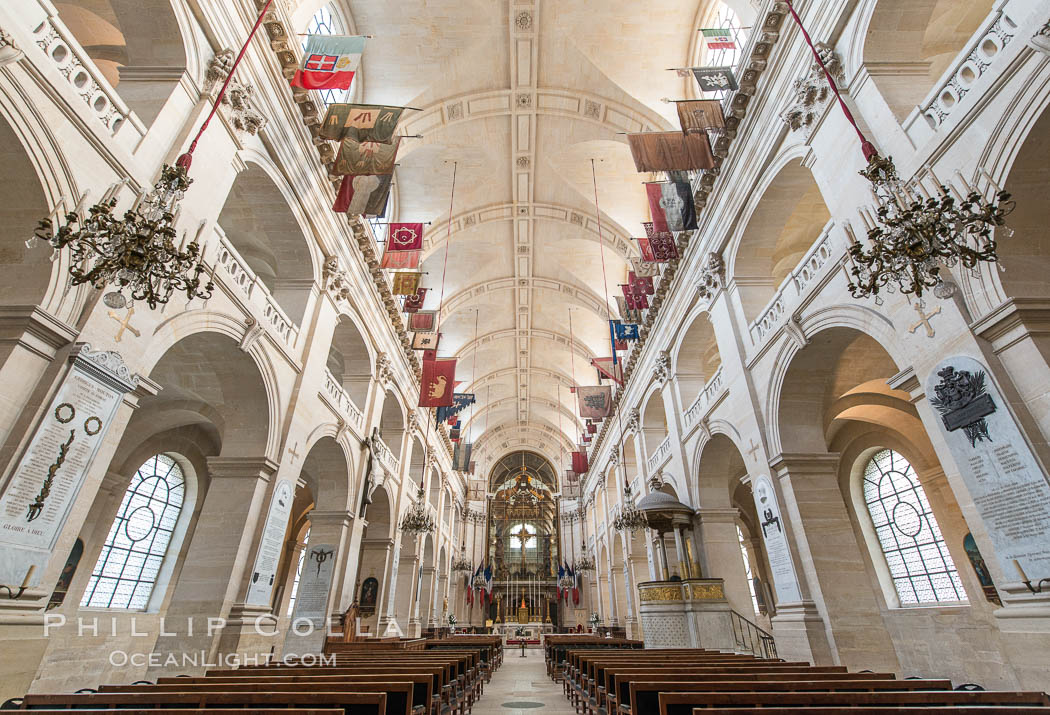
586	563
135	252
460	563
916	232
629	518
417	520
913	236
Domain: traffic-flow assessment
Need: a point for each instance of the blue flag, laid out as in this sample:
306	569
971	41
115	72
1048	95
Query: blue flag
626	331
460	401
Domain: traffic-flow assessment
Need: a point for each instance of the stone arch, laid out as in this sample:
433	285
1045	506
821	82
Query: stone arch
259	220
787	218
350	359
26	274
910	43
654	422
326	471
375	557
138	46
408	581
697	358
392	422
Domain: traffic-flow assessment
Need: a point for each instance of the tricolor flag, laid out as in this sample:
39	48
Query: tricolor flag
718	38
671	205
329	62
363	195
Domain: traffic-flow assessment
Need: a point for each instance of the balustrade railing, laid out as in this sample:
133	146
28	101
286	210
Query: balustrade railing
341	399
660	454
749	638
705	399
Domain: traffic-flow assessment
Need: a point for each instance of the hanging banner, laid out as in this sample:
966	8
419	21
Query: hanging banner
425	341
405	237
329	62
671	151
365	195
718	38
595	402
423	321
715	79
627	312
460	401
645	269
626	331
405	283
579	462
610	368
436	386
461	456
363	122
366	157
699	115
414	302
400	260
671	205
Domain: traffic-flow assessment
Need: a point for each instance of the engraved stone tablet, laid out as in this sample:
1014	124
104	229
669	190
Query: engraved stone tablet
782	568
1008	486
43	487
270	545
315	582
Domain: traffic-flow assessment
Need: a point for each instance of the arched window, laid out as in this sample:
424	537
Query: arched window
324	22
747	569
515	538
918	560
127	568
298	573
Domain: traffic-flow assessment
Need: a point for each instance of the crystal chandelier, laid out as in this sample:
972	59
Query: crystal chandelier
135	252
914	232
460	563
586	563
629	518
417	520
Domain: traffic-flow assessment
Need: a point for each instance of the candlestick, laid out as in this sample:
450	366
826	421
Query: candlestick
1017	565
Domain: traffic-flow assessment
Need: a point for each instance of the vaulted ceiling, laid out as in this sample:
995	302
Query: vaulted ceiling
517	98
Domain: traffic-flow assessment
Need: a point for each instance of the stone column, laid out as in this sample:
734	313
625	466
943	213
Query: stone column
612	616
333	527
721	546
214	579
833	576
387	620
429	576
679	550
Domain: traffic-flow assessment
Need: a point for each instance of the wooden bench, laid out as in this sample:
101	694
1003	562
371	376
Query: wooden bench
698	702
950	710
644	695
348	703
400	694
191	711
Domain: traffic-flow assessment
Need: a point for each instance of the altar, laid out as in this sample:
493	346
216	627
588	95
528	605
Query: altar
533	631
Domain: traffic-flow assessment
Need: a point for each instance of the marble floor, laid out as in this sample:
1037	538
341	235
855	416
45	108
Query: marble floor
521	687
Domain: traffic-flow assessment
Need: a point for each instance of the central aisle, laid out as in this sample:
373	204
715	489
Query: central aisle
521	687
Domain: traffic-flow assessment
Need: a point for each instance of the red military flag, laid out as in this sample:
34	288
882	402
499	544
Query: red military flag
592	428
646	249
400	260
423	321
405	237
579	462
671	205
414	303
436	389
329	62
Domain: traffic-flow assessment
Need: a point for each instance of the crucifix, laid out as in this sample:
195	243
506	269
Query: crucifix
125	324
754	448
291	451
924	319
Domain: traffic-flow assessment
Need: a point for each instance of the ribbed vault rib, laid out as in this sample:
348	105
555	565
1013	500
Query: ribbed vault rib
583	297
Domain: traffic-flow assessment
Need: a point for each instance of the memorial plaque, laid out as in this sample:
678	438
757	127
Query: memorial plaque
782	568
44	486
271	544
1005	480
315	581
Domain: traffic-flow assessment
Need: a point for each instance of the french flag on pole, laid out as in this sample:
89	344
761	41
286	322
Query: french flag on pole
329	62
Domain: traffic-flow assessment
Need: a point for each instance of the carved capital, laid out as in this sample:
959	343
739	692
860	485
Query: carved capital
712	277
662	367
384	369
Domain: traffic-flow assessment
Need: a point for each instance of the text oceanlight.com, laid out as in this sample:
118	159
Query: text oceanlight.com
201	659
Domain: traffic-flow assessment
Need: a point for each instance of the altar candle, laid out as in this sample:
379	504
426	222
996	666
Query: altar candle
29	575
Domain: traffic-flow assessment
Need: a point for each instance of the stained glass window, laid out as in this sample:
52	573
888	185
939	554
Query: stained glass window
324	22
298	573
127	567
918	560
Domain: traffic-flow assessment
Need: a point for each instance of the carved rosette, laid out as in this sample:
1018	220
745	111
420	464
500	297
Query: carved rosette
384	370
662	367
237	102
812	91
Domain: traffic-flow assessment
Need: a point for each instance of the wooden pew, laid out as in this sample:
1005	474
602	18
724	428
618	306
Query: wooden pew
951	710
348	703
698	703
644	695
407	695
193	711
